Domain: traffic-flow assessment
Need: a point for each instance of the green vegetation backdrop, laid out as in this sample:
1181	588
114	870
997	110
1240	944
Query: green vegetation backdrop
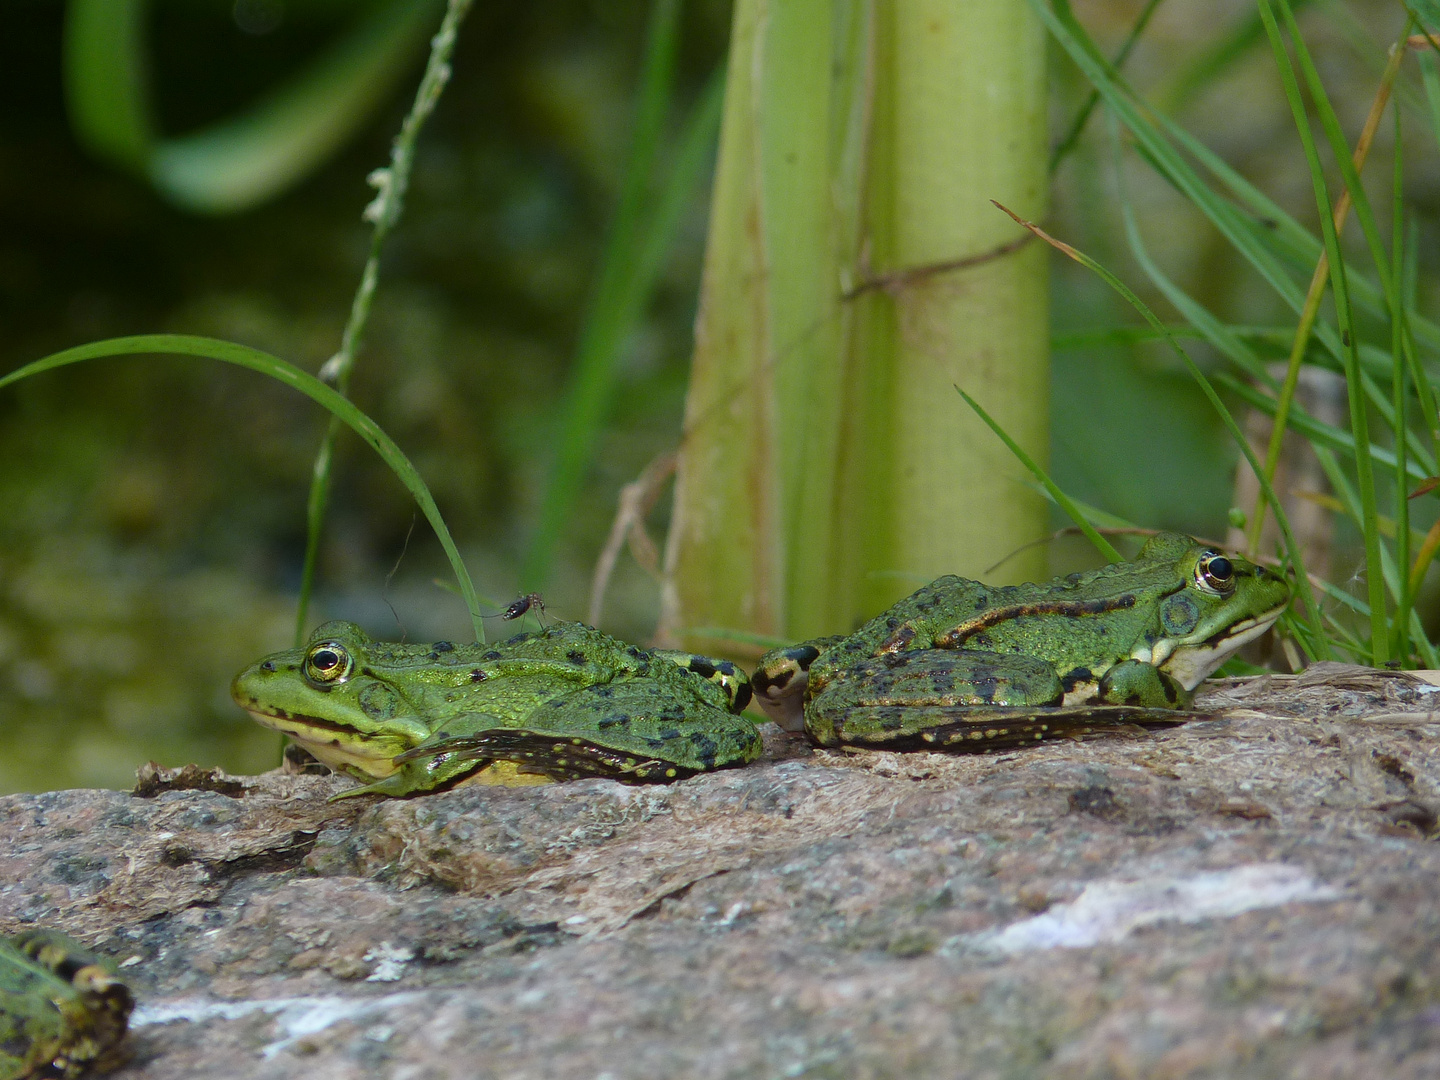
153	525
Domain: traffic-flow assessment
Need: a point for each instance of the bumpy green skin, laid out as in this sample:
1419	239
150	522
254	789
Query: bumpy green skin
963	666
566	702
62	1011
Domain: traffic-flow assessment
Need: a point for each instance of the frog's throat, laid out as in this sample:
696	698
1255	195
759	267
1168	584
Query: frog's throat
332	744
1190	664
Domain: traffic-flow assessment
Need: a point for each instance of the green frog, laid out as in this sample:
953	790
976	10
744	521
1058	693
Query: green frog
62	1009
565	702
962	666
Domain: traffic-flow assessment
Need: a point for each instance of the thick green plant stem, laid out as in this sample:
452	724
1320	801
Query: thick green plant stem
384	211
854	274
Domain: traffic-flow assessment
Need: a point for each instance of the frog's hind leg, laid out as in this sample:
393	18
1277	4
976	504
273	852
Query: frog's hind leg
972	729
628	731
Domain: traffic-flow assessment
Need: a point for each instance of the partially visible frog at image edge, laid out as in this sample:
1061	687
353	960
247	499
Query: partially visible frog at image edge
63	1010
566	702
963	666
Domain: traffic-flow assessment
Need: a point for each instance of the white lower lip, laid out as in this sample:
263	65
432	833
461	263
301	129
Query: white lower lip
1190	664
338	758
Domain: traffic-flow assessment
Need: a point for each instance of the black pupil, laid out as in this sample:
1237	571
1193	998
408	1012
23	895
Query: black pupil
1219	567
325	659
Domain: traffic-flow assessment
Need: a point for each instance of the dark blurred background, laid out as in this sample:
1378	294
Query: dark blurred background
152	509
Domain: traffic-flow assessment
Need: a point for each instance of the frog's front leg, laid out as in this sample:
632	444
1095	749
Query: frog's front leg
781	677
437	772
896	700
1132	682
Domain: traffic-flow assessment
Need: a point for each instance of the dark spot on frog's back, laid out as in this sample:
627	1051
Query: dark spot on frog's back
443	646
1076	677
478	675
491	655
617	720
575	656
804	655
702	667
605	692
705	748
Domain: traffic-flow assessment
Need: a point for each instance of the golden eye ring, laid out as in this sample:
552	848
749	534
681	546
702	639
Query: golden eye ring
328	663
1215	573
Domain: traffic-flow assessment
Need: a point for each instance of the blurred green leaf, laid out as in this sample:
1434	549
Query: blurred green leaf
642	235
244	160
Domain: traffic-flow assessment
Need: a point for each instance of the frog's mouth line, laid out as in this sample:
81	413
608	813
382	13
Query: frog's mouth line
353	752
299	719
1190	665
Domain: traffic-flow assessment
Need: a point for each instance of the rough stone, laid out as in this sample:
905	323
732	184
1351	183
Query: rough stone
1250	895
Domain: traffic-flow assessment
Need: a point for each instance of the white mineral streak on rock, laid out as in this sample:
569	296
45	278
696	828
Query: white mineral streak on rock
1107	911
296	1017
390	961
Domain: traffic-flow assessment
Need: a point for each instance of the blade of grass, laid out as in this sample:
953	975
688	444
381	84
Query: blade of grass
1241	232
1316	292
1211	64
1400	424
1082	117
1315	430
1061	499
1424	556
1292	549
384	211
1344	317
1347	504
339	406
1262	231
641	237
1211	329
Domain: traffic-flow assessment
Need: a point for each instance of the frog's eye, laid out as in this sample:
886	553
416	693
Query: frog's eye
1215	573
327	663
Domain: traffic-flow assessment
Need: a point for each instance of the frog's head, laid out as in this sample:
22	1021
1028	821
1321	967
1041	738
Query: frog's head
333	701
1221	602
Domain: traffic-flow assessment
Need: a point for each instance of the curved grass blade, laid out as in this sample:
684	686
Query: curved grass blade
1344	315
641	237
1315	430
1302	580
244	160
243	356
1273	242
1082	117
391	184
1061	499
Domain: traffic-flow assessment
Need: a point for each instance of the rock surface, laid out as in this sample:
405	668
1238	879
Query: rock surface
1251	895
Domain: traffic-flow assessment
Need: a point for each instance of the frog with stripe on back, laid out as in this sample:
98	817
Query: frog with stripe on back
963	666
